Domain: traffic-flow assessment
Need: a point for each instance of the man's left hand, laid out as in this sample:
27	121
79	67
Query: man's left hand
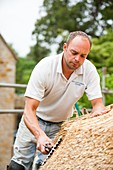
99	113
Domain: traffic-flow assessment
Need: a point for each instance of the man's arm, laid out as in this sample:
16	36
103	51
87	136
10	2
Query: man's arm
98	107
31	122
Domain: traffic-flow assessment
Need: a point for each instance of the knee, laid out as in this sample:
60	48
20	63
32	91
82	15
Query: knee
15	166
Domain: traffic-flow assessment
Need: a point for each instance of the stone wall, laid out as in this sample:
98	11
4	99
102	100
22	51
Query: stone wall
7	121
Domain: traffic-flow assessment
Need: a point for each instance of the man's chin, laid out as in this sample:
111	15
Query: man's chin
75	67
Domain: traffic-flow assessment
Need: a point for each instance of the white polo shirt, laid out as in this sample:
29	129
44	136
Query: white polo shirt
56	94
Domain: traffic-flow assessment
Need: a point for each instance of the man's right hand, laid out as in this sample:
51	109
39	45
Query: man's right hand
44	143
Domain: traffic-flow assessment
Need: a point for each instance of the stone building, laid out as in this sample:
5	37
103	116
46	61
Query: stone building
7	96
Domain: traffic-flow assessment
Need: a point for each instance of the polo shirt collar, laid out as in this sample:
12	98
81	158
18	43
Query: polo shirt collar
79	70
59	67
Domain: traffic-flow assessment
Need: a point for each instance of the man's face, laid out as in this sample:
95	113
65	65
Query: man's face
76	52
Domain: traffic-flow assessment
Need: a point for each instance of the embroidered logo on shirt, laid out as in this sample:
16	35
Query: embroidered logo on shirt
78	83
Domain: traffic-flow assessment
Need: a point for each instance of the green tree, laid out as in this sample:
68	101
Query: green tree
38	52
63	16
109	86
101	53
24	68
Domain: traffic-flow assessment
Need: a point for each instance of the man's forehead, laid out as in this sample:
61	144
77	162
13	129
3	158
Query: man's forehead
80	39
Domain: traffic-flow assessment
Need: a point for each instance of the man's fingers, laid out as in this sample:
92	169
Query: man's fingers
41	149
105	111
38	146
45	149
48	147
95	114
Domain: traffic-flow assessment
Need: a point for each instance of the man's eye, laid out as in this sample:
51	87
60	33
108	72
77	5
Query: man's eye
74	53
83	56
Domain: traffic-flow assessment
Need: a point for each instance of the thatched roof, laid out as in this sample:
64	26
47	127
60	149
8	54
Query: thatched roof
87	145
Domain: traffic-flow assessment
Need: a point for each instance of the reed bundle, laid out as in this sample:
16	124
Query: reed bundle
87	145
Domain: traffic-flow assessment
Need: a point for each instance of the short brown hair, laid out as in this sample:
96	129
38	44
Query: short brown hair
72	35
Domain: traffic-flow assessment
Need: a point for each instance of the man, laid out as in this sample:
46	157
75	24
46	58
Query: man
55	85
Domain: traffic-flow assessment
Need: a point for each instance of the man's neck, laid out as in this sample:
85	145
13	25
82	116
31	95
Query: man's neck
66	71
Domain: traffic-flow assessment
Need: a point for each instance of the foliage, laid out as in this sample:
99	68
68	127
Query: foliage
64	16
24	68
101	53
84	102
109	85
38	52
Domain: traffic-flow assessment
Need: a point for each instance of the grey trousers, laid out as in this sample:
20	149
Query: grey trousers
24	148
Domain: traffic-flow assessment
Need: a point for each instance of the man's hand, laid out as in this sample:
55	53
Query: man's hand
99	113
98	107
44	144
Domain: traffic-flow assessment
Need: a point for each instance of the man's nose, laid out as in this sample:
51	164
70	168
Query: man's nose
77	57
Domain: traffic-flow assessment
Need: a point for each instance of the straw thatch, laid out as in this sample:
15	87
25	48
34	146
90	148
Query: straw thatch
87	145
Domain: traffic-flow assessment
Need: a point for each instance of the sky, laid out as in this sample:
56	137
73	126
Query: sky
17	20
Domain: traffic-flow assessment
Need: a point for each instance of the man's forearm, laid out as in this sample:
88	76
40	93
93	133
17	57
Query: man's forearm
30	117
32	124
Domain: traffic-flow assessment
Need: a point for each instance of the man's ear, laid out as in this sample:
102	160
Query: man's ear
65	46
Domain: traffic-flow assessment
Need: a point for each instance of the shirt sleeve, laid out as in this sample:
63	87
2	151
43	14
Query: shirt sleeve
36	85
93	89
